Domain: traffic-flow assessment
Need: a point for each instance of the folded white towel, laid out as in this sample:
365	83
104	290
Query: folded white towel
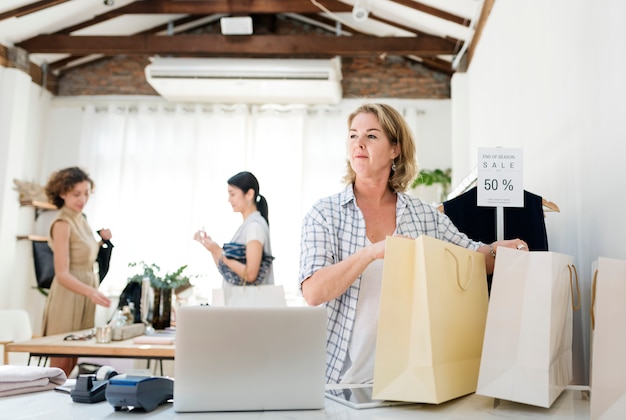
25	379
154	339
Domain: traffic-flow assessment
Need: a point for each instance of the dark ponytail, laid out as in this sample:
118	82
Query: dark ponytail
246	181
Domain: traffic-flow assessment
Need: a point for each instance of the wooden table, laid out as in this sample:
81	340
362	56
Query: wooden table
55	345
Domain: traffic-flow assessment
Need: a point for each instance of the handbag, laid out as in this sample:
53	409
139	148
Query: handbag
249	296
44	264
104	259
527	351
608	315
43	259
238	252
433	307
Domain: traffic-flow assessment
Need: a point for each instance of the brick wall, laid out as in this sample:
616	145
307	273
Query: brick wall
119	75
391	77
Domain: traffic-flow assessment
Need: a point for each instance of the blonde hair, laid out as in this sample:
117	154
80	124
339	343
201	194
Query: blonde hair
398	132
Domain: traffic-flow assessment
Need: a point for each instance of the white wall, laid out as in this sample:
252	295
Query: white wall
22	107
548	77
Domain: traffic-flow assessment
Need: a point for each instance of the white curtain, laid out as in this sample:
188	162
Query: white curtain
161	169
160	172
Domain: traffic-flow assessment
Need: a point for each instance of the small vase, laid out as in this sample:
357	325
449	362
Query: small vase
161	315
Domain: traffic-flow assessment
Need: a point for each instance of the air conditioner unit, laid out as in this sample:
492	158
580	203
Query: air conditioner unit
242	80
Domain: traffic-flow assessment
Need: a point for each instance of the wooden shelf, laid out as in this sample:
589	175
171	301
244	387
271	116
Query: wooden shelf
38	204
39	207
38	238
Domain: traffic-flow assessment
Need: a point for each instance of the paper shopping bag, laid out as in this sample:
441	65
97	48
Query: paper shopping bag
433	307
527	352
255	296
608	357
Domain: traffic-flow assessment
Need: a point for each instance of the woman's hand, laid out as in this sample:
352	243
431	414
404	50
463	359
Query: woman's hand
99	298
199	236
378	249
202	237
490	251
510	243
105	234
207	242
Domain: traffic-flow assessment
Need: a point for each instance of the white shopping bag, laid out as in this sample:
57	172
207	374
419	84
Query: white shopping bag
251	296
527	351
608	357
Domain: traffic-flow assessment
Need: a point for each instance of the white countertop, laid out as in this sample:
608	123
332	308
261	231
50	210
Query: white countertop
46	405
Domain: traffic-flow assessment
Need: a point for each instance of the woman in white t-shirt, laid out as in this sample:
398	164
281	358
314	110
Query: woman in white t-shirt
253	236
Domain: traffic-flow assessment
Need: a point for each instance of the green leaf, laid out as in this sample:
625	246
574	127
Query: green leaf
159	280
435	176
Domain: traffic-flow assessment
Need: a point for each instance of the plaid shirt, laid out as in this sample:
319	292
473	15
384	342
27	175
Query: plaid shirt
334	229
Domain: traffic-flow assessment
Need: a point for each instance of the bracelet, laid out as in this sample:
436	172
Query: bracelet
491	251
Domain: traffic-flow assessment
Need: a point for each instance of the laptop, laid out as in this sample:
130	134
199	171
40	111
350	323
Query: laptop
249	358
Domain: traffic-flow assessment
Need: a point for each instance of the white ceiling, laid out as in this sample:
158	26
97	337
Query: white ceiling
454	20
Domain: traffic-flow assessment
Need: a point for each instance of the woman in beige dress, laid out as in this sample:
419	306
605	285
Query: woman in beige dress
74	293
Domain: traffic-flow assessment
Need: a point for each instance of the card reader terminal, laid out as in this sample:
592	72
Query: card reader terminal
144	392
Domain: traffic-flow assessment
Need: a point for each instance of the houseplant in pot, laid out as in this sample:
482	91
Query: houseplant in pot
162	283
441	178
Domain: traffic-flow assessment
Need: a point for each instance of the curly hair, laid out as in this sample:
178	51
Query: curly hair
398	132
62	181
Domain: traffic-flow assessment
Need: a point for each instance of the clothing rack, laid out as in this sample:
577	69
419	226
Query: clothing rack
466	183
470	181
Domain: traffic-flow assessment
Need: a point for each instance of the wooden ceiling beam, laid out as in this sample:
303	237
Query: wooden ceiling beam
30	8
254	45
437	64
453	41
201	7
431	62
482	21
68	60
433	11
59	64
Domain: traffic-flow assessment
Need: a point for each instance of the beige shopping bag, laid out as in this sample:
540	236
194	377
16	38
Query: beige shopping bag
433	308
608	356
254	296
527	352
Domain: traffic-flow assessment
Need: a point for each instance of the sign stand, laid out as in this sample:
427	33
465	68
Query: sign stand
499	223
500	182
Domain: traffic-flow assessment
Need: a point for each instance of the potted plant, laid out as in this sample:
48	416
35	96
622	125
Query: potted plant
162	285
429	177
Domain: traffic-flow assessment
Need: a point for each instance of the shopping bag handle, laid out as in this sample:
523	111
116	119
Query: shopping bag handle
592	311
571	284
469	270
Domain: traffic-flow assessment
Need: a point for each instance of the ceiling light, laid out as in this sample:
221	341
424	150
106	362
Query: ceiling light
236	25
360	11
